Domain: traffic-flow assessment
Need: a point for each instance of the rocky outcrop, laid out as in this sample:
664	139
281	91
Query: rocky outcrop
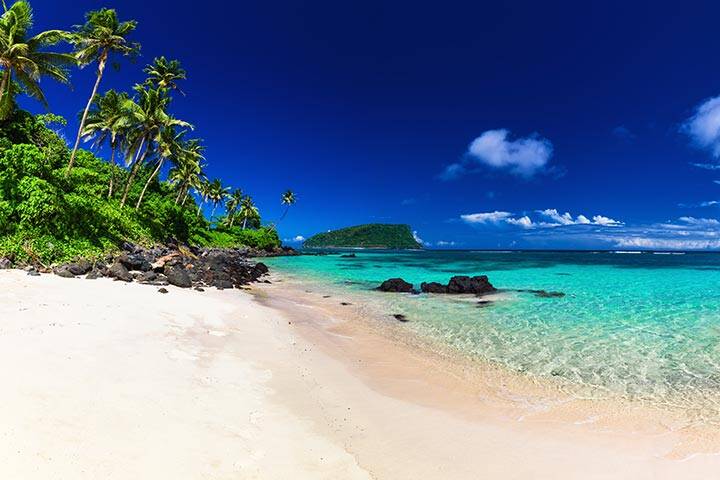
461	284
176	275
396	285
5	263
118	271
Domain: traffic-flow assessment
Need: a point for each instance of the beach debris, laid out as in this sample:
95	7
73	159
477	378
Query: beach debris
461	284
396	285
400	317
163	290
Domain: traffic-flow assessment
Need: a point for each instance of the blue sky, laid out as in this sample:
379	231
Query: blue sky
482	124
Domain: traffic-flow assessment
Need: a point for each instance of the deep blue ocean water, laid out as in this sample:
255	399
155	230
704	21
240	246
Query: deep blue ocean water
640	325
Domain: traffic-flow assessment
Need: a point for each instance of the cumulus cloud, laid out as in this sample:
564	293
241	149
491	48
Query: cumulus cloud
296	239
703	127
418	239
524	156
700	221
487	217
444	243
556	219
667	243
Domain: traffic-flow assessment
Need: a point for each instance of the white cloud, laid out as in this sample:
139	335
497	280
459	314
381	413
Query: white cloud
666	243
487	217
700	221
567	219
443	243
418	239
523	222
706	166
524	156
296	239
703	127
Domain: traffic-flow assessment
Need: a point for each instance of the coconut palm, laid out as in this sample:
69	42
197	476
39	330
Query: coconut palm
187	170
149	117
168	144
23	59
164	73
288	199
101	35
202	189
248	211
106	123
234	204
216	195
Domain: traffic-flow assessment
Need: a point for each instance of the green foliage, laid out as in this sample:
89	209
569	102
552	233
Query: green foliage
47	216
373	235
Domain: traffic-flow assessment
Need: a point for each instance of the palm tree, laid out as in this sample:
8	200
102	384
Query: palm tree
168	144
216	195
106	123
202	189
22	58
101	35
248	210
233	204
288	199
187	168
149	116
164	73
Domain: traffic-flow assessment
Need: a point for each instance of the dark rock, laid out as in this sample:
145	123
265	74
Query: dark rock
118	271
64	271
474	285
33	272
345	304
400	317
163	290
81	267
396	285
178	276
199	289
147	277
94	274
5	263
433	287
135	261
223	284
544	294
261	268
348	255
128	247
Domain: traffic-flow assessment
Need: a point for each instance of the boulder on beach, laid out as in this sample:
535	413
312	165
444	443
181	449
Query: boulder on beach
176	275
396	285
5	263
118	271
81	267
63	271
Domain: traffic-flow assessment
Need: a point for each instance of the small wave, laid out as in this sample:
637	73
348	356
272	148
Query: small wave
628	252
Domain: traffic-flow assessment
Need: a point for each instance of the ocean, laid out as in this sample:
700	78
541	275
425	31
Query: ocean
642	326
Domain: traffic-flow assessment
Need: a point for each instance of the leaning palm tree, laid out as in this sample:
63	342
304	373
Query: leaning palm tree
149	116
248	210
23	59
187	168
168	144
288	199
234	204
217	193
106	123
101	35
164	73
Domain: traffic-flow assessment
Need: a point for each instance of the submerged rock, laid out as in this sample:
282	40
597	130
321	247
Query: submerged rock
433	287
396	285
348	255
400	317
478	285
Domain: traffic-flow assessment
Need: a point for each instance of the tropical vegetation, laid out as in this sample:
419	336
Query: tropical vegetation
144	178
374	235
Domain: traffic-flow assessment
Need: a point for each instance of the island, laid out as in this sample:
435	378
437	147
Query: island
373	235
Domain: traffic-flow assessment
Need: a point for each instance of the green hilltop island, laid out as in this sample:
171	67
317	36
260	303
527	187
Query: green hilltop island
374	235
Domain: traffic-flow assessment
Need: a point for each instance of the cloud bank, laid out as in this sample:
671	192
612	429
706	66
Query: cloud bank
524	156
548	218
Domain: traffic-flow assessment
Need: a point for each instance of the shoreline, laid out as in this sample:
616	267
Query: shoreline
107	380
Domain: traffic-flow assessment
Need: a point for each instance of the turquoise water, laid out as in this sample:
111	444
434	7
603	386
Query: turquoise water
643	326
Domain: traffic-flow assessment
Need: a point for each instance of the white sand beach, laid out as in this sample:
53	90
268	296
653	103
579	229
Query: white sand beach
103	380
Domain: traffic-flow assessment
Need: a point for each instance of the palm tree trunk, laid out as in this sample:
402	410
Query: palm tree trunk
5	85
212	214
244	223
112	167
180	192
202	202
133	172
187	194
100	70
147	184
